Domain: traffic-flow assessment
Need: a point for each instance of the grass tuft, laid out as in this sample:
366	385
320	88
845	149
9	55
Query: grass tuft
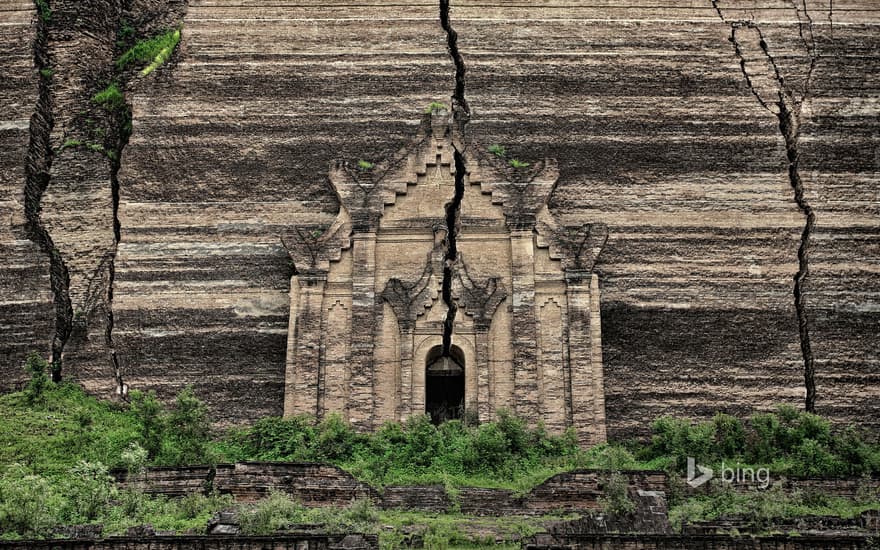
155	51
436	106
498	150
110	98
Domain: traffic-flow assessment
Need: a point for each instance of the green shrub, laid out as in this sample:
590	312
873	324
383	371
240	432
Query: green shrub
47	72
188	431
730	436
274	438
110	98
88	488
149	412
156	51
364	165
36	366
678	438
270	514
134	459
614	458
856	454
28	503
194	505
812	458
615	499
516	163
335	439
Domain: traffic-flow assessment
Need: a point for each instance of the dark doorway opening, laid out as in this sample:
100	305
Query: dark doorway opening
444	384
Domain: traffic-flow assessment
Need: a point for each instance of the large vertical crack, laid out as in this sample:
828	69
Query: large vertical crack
786	104
460	116
38	165
119	132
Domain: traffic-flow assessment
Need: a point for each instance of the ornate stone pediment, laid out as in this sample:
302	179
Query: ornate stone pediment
576	246
478	298
313	246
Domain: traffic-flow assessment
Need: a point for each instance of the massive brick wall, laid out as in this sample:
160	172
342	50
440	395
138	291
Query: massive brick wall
657	130
26	306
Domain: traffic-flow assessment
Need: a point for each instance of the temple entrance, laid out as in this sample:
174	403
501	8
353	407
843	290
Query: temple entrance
444	384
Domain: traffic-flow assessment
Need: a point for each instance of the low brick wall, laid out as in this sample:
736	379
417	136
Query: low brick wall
311	484
477	501
430	498
845	487
684	542
281	542
316	484
172	482
580	490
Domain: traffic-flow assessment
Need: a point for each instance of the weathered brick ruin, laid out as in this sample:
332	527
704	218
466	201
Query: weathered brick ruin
724	152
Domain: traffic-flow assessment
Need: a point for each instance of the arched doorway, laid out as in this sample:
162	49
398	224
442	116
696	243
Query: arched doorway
444	384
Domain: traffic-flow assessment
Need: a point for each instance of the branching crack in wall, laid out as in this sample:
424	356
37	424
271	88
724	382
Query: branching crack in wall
788	103
460	116
37	168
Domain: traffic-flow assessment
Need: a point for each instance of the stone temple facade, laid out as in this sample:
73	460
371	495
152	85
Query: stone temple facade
392	315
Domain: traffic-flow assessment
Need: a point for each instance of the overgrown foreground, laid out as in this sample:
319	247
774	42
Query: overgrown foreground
57	445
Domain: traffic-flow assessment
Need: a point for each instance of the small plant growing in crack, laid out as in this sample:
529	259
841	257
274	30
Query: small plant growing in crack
68	144
110	98
156	51
436	106
45	12
498	150
47	72
365	165
516	163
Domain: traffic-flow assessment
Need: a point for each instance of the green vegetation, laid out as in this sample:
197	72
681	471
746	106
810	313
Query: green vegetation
96	147
787	442
125	33
498	150
436	106
155	51
364	165
57	444
44	11
47	72
279	511
516	163
110	98
765	507
505	453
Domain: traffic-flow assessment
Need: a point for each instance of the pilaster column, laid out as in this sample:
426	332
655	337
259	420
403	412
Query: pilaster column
580	354
599	433
311	249
525	327
485	398
365	318
303	356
